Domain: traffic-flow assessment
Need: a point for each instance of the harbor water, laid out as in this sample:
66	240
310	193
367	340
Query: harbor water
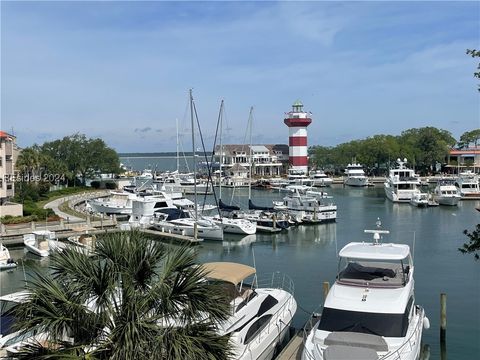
308	254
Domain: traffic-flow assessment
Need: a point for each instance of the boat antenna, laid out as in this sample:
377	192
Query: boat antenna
377	232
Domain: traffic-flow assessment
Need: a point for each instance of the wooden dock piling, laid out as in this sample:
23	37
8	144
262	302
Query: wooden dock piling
326	289
443	317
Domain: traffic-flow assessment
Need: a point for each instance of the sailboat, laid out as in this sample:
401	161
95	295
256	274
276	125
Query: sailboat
266	217
230	225
182	223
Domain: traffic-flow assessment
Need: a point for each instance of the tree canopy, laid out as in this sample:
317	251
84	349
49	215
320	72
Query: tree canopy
423	147
135	299
473	245
72	156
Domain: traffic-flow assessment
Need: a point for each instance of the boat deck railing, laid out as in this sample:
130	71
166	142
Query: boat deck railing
411	342
276	280
399	354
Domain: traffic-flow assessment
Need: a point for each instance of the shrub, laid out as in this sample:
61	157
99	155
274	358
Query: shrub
110	185
95	184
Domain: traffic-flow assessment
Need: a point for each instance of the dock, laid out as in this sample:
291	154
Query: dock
13	235
293	349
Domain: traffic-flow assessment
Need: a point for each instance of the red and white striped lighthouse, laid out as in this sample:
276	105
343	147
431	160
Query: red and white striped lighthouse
297	121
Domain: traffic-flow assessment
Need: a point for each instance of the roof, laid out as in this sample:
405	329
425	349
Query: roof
228	271
357	250
4	135
259	148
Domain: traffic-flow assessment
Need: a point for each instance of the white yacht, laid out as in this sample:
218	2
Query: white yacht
41	242
355	175
8	335
320	179
370	311
401	183
307	208
121	202
176	221
6	261
298	177
117	203
468	184
261	313
235	226
446	193
419	199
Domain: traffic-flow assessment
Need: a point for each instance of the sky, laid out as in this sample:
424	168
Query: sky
121	70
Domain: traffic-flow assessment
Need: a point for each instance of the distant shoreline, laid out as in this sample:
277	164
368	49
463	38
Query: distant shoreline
156	155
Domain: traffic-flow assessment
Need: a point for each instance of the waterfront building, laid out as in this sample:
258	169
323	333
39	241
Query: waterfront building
464	159
8	155
297	121
268	160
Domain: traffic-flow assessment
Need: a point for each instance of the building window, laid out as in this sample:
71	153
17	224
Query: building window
9	187
1	183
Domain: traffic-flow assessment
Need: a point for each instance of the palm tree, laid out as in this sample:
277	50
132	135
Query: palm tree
136	299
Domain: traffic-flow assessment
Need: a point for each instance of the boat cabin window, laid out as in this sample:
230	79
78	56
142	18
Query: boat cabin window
374	272
388	325
256	327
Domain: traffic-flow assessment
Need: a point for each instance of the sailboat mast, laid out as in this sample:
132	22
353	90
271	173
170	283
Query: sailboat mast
250	155
178	152
194	160
221	149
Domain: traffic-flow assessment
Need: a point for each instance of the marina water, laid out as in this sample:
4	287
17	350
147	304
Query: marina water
308	254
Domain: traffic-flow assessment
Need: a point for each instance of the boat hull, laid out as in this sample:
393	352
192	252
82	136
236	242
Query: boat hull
448	201
202	232
356	181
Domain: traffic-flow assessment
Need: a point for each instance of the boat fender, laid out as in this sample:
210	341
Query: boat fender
426	323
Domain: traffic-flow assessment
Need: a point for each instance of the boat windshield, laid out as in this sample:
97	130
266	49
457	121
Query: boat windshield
381	324
377	273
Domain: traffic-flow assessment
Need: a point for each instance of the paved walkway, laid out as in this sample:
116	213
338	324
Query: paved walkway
55	204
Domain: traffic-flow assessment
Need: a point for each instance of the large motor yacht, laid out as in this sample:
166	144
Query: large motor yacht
446	193
261	313
370	311
468	184
320	179
355	175
307	208
401	183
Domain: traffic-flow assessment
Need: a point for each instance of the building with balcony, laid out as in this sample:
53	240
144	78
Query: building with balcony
8	155
464	159
266	160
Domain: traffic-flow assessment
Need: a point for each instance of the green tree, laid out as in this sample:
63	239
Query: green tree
473	245
82	156
427	145
475	53
135	299
469	137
